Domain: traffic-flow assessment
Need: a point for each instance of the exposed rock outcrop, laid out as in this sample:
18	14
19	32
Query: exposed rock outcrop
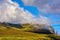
44	29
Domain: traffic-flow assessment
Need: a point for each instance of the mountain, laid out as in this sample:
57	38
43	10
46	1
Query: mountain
13	33
41	28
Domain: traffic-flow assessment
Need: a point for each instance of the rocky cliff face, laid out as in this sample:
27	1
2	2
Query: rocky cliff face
45	29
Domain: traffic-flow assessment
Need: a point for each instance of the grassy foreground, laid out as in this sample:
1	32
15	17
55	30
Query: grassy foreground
21	34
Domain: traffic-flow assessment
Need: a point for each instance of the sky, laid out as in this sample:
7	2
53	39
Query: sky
31	11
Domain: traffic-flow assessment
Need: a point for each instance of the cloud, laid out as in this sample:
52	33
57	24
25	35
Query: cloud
12	13
41	20
48	6
28	2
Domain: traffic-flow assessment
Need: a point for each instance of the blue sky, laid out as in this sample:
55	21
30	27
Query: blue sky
55	18
32	9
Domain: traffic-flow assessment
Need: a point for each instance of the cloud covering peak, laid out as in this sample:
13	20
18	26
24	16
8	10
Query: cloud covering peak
11	12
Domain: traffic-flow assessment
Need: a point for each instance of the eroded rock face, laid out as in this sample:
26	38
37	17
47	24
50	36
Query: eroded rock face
44	29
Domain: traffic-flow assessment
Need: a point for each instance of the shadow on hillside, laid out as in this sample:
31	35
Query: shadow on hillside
53	37
40	31
8	25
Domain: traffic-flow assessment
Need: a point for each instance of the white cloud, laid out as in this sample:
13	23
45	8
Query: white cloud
49	6
42	20
12	13
28	2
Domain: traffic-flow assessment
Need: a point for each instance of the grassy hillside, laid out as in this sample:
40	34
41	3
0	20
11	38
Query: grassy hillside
12	33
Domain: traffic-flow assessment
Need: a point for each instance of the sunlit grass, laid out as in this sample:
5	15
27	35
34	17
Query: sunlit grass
21	34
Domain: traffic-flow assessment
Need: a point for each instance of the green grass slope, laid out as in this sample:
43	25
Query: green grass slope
21	34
